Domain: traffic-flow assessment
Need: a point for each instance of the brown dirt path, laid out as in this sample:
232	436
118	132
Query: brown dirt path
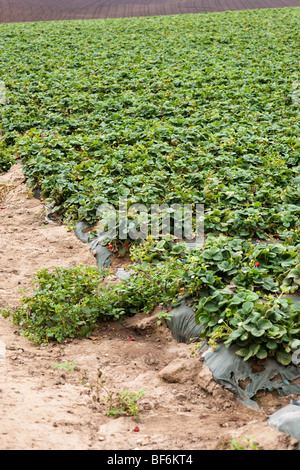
12	11
45	408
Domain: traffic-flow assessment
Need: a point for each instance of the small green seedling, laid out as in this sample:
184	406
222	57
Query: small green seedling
162	317
244	443
67	366
124	403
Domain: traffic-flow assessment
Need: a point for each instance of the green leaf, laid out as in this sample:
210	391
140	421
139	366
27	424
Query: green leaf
213	322
277	331
262	353
294	331
257	331
264	324
247	307
85	330
253	349
86	310
235	334
211	307
283	358
271	344
242	352
251	297
56	318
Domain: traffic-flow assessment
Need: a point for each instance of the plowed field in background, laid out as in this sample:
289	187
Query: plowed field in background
12	11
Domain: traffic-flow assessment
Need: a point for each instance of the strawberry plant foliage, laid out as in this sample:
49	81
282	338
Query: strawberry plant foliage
203	114
184	109
249	310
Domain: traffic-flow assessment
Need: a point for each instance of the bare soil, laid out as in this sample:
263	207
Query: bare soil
47	408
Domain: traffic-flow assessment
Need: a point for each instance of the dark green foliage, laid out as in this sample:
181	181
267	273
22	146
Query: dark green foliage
181	109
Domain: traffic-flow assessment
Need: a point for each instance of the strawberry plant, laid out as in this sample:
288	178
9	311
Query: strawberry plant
237	299
94	113
68	303
259	328
99	110
64	304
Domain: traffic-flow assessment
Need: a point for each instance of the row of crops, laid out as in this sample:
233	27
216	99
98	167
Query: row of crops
188	109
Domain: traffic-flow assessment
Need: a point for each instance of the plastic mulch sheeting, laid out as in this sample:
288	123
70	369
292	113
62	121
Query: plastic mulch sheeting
229	369
182	324
287	420
237	375
102	253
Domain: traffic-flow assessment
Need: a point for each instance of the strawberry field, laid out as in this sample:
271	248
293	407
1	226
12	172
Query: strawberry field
189	109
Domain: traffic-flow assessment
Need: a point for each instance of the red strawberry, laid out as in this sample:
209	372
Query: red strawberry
257	263
136	429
